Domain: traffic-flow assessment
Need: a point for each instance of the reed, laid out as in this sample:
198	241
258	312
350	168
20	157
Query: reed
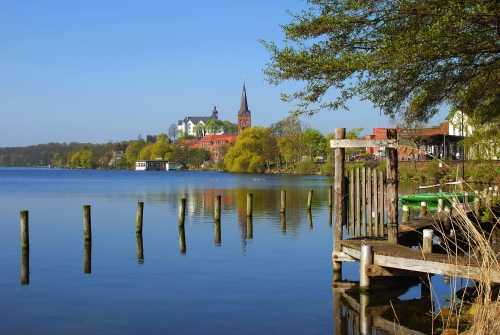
475	310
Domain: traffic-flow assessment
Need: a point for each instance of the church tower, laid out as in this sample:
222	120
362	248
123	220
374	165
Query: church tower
244	117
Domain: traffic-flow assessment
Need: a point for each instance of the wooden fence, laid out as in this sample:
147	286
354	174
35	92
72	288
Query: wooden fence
366	203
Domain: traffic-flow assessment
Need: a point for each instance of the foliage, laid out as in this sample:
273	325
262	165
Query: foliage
133	150
405	56
290	143
306	166
84	158
314	143
214	126
354	134
229	127
249	153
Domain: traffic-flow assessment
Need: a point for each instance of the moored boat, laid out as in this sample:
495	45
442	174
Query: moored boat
435	196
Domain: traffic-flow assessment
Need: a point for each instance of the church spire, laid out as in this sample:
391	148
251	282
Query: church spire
244	104
244	117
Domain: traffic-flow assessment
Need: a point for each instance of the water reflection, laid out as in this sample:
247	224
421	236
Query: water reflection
140	248
25	267
309	219
182	239
249	227
87	256
217	233
283	223
358	312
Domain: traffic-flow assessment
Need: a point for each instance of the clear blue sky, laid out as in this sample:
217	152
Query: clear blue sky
95	71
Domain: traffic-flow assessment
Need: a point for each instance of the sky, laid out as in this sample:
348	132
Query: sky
99	71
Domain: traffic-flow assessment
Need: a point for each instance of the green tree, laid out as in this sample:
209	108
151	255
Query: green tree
133	150
404	56
290	143
229	127
214	126
200	130
162	137
314	143
247	154
146	152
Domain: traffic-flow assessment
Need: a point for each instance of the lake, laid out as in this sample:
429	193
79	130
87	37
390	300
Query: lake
275	278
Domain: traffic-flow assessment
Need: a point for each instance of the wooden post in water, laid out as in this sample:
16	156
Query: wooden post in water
309	199
366	258
406	213
182	239
25	248
217	233
87	223
283	223
217	208
249	227
392	189
87	256
330	196
25	234
283	202
182	212
25	267
249	204
338	215
423	209
138	220
427	241
140	248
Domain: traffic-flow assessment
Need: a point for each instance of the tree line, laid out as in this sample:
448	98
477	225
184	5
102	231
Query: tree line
281	146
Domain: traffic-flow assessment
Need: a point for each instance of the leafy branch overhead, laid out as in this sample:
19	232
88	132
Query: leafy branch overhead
406	57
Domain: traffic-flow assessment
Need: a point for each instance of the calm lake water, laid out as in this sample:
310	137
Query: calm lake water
278	279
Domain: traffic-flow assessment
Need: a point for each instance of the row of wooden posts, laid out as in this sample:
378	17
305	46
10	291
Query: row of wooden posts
87	228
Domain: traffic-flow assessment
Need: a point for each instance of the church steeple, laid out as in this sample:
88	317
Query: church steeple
244	116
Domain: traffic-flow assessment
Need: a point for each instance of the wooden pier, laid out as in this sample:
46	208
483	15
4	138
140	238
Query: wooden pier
376	238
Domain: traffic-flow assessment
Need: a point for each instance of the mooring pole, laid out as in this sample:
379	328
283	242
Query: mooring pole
87	223
366	258
217	208
338	202
249	204
283	202
139	216
392	189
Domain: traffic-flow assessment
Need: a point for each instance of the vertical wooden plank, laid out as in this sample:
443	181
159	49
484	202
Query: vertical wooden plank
375	203
392	189
339	188
369	206
358	203
381	203
363	201
352	206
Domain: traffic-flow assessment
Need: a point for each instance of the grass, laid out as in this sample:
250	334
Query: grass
474	310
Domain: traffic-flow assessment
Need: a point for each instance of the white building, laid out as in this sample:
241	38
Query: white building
186	126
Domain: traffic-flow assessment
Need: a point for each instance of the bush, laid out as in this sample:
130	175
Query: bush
306	167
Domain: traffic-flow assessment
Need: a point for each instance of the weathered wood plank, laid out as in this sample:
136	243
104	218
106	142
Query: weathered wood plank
363	143
374	270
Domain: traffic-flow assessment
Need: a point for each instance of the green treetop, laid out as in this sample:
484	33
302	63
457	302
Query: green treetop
407	57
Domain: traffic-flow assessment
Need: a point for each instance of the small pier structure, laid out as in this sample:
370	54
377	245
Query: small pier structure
383	246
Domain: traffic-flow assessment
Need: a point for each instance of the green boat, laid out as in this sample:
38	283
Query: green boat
435	196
